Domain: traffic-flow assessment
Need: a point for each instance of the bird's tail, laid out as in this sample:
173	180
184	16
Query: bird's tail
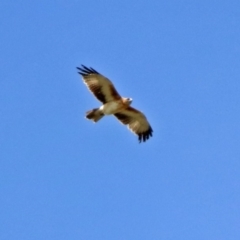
94	114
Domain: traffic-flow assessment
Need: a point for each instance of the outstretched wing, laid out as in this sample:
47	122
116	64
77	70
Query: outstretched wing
136	121
100	86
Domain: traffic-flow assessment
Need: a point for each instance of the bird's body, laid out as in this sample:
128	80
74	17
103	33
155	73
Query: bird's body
112	107
114	104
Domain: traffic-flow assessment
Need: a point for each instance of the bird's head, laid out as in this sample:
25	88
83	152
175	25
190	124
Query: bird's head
127	100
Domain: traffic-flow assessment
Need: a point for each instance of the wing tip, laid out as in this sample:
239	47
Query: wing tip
84	71
144	136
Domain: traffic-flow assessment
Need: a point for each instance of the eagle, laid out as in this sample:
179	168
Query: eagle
113	104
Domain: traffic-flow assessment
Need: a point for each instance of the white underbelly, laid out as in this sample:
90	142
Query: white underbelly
110	108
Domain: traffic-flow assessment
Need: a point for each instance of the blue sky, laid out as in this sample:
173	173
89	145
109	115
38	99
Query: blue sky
63	177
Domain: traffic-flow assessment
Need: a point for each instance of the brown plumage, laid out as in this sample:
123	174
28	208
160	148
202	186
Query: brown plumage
136	122
113	104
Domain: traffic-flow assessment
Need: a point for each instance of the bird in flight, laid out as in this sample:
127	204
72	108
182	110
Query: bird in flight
113	104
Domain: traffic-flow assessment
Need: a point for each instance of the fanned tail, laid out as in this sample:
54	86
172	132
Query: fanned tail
94	114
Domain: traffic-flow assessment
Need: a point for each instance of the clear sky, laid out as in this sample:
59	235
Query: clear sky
63	177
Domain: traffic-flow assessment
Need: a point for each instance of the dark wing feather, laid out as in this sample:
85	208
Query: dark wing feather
100	86
136	122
